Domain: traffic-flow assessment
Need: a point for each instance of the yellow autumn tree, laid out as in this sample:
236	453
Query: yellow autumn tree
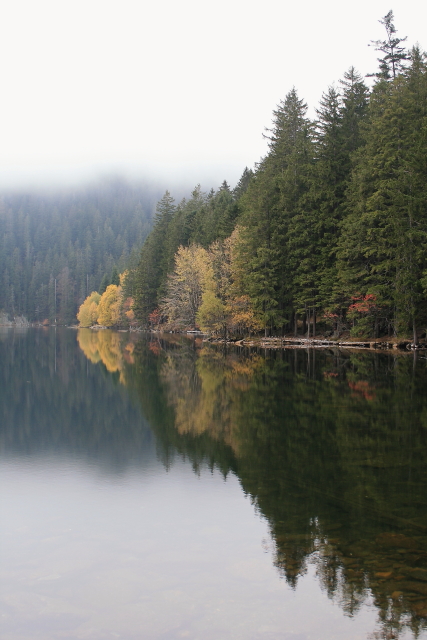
224	307
207	287
186	284
88	311
243	316
212	314
109	308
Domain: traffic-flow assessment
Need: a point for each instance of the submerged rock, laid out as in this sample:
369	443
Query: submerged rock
397	540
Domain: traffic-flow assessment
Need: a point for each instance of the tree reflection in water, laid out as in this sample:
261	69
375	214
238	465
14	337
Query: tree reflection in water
330	445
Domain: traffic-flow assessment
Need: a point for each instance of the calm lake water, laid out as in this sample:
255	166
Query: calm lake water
156	488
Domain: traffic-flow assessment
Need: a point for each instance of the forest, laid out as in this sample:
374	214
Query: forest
59	245
328	232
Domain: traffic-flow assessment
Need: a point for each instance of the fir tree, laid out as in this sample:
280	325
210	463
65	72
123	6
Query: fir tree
394	54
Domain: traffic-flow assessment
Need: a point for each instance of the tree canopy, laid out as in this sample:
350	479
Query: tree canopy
332	224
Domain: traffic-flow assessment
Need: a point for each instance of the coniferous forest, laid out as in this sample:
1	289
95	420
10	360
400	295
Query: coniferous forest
328	233
58	246
330	228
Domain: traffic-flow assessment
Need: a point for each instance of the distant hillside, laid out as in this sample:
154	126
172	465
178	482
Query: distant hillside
58	246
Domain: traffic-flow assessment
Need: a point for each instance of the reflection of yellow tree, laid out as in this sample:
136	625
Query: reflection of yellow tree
203	393
88	343
109	347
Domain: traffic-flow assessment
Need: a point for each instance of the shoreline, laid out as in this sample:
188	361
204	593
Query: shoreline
324	343
273	342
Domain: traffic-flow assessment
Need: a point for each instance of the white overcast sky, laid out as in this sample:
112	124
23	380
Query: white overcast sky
175	89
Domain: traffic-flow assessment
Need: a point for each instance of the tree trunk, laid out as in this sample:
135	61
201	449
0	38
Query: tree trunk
314	323
296	324
376	328
414	329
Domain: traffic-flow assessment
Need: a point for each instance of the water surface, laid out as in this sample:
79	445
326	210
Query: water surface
159	488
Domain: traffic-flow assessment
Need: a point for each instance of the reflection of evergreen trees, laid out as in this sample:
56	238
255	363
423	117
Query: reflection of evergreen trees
53	400
330	445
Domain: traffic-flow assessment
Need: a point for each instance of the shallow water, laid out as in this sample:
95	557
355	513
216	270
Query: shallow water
156	488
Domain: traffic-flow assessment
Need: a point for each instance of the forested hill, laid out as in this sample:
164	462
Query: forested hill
72	241
332	227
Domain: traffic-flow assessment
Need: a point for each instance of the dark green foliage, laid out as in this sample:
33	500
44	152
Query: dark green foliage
104	284
382	249
156	258
333	222
272	201
243	183
115	277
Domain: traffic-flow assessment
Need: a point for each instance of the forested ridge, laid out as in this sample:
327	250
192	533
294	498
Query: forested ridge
331	226
58	246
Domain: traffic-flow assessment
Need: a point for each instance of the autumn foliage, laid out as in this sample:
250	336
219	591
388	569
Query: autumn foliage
111	309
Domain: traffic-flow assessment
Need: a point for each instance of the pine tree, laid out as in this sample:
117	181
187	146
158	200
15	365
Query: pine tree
383	245
156	256
273	199
354	108
394	55
243	183
315	230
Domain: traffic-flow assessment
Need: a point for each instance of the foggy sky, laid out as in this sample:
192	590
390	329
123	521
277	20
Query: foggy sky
176	91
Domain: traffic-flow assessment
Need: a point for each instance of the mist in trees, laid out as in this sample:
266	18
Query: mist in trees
59	246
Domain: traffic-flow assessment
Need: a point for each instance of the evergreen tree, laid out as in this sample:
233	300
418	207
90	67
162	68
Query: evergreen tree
104	284
156	256
394	54
114	279
273	199
383	245
354	108
243	183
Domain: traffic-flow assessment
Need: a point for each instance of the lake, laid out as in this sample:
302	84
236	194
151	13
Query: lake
155	487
